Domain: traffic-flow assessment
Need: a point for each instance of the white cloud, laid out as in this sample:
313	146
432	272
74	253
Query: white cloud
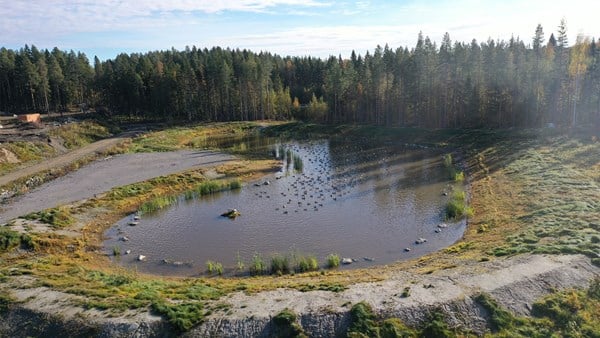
145	25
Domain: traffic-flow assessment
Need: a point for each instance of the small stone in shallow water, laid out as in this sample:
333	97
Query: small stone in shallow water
141	258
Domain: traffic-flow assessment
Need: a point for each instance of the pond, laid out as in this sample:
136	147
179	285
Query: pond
361	200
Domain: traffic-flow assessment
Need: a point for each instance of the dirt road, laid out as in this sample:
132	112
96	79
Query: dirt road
99	176
65	159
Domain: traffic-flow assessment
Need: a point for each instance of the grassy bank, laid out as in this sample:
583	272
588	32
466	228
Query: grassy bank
531	193
568	313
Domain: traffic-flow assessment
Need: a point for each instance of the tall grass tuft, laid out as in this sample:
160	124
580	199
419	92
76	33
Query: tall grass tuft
280	265
306	264
457	207
239	262
214	267
298	164
258	265
157	203
333	261
235	184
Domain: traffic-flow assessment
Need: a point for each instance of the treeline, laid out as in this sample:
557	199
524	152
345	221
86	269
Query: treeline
487	84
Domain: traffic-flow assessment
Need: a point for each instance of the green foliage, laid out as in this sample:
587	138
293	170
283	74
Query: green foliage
157	203
183	316
499	318
58	217
116	250
394	328
286	325
75	135
235	184
8	239
214	267
333	261
594	290
306	263
258	265
436	327
362	321
280	265
457	206
298	164
239	262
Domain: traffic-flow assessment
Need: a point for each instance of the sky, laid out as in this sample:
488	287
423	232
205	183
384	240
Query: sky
318	28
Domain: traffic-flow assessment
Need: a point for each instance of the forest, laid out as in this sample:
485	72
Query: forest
492	84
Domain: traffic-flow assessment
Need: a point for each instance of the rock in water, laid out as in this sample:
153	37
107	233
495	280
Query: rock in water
231	213
347	260
421	240
141	258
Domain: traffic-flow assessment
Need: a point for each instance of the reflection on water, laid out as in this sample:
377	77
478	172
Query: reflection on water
356	199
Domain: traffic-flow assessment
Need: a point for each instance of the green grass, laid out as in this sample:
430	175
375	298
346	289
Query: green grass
333	261
214	268
362	321
257	266
58	217
9	239
25	152
75	135
157	203
298	164
305	263
280	265
457	207
286	324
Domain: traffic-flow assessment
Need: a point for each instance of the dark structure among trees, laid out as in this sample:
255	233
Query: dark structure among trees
490	84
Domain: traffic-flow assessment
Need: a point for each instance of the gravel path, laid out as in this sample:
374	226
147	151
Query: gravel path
64	159
103	175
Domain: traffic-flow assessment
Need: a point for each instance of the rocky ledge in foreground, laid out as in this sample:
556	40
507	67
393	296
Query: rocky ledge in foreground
515	283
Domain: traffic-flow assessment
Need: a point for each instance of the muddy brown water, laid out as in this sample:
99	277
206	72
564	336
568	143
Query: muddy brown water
363	201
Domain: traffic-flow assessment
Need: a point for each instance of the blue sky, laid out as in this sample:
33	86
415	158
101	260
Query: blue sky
287	27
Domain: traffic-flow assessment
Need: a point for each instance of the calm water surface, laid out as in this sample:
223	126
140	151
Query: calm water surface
358	200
